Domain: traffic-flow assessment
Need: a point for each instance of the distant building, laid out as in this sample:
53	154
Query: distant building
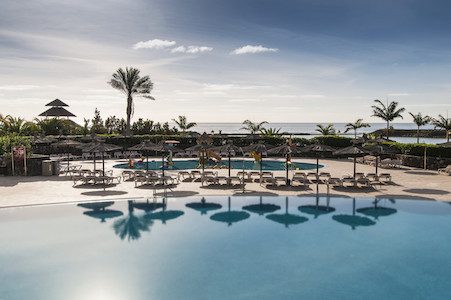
57	110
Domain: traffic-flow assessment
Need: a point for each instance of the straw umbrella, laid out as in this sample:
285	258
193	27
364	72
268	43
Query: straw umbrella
67	144
144	146
318	148
380	149
202	148
286	150
259	147
354	152
102	148
229	148
163	148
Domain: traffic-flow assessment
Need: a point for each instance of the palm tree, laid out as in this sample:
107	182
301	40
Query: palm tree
130	83
387	113
358	124
444	123
183	124
253	127
420	121
273	132
5	123
326	130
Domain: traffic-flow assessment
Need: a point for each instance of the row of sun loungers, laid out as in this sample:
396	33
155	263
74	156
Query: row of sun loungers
86	176
385	163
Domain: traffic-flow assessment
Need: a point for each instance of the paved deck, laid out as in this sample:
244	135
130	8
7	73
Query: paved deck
407	183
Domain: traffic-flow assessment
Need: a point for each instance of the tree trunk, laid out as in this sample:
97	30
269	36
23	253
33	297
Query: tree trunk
129	114
418	134
388	125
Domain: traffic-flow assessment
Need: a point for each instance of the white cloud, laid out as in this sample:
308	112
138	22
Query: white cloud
191	49
253	49
18	87
245	100
398	94
313	96
154	44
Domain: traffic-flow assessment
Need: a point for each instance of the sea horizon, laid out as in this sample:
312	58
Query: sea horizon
308	129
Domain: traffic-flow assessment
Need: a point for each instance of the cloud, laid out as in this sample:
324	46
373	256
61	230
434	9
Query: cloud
191	49
18	87
313	96
398	94
253	49
154	44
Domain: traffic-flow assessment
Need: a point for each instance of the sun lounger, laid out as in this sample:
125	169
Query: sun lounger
385	176
184	175
334	181
348	179
363	181
299	177
446	170
232	178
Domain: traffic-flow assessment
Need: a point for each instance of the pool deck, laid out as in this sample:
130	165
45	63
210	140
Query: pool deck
407	182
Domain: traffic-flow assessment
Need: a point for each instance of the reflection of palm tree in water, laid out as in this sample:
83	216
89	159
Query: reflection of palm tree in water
131	226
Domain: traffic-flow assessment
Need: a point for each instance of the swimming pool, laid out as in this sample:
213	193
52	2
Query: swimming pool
268	165
227	248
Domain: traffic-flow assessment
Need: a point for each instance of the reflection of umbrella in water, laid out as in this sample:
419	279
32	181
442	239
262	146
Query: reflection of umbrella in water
145	146
230	216
96	205
353	220
130	226
148	206
317	209
286	218
261	208
378	211
103	214
164	215
203	206
354	152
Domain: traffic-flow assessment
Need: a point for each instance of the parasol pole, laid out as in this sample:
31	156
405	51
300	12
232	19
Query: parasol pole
355	162
229	163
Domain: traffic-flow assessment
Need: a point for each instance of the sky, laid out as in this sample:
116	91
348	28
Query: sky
227	61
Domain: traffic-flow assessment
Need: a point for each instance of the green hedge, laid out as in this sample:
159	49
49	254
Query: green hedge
418	149
8	141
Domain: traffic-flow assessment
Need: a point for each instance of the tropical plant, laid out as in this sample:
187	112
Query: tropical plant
4	120
272	132
444	123
387	112
97	123
183	124
419	120
112	124
356	125
253	127
326	130
130	83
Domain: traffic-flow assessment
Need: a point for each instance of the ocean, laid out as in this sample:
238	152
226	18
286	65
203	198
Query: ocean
309	128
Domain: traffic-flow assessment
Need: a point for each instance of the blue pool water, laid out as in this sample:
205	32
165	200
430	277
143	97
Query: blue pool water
268	165
245	248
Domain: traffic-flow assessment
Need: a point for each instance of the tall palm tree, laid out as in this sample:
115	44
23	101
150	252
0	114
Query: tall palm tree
273	132
326	130
387	113
253	127
444	123
354	126
130	83
420	121
183	124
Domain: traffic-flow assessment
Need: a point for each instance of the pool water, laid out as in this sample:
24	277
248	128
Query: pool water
268	165
228	248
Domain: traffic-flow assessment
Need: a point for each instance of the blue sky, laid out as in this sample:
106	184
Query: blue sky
227	61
